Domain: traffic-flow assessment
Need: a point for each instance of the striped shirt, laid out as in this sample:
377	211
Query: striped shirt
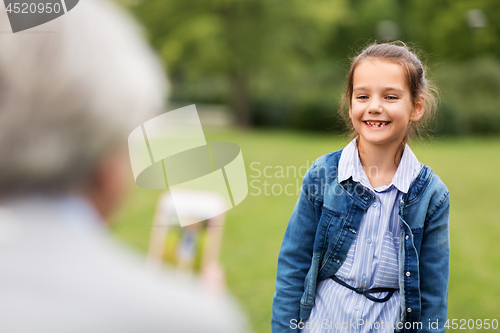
372	260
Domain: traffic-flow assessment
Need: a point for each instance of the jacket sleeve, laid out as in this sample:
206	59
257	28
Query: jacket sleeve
295	257
435	267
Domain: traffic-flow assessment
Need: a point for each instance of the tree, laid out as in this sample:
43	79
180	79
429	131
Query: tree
238	39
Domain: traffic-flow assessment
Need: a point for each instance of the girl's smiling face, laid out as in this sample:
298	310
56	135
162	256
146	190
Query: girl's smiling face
381	107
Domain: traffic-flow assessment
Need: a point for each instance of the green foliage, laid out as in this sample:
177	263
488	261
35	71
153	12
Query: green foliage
283	62
471	91
203	37
238	40
442	29
308	98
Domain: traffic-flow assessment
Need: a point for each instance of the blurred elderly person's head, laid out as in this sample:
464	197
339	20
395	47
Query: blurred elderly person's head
70	92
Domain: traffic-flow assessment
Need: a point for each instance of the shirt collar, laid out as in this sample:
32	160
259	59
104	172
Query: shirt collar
350	166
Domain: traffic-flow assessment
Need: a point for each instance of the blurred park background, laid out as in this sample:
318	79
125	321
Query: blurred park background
268	75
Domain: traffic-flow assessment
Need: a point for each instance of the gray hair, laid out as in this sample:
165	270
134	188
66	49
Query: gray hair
70	92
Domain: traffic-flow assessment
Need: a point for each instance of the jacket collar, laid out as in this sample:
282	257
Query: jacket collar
418	185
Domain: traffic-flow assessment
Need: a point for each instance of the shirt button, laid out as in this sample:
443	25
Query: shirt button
369	240
408	274
374	204
356	308
407	237
363	276
409	309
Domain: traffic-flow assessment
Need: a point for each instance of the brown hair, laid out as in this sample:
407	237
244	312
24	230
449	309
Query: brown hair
414	71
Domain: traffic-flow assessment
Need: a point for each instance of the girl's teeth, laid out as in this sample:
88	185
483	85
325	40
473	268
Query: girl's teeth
377	124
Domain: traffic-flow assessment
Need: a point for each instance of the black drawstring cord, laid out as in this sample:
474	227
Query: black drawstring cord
367	292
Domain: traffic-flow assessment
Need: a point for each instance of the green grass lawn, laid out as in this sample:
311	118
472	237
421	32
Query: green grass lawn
254	229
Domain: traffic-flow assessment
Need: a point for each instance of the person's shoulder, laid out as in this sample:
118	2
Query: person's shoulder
429	187
322	171
436	184
326	165
159	298
329	158
88	272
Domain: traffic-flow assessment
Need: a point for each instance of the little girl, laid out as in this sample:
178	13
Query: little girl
367	246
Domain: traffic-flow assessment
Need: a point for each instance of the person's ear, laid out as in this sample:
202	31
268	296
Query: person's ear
418	109
109	182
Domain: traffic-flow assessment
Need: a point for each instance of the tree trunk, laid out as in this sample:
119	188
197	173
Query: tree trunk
240	100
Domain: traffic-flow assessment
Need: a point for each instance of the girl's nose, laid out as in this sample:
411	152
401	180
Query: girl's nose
375	106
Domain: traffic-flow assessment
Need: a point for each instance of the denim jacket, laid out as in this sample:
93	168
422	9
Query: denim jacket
323	226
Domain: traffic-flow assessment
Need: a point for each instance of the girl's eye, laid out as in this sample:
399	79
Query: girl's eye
362	97
392	98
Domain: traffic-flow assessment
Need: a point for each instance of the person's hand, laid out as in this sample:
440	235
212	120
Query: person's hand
212	277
